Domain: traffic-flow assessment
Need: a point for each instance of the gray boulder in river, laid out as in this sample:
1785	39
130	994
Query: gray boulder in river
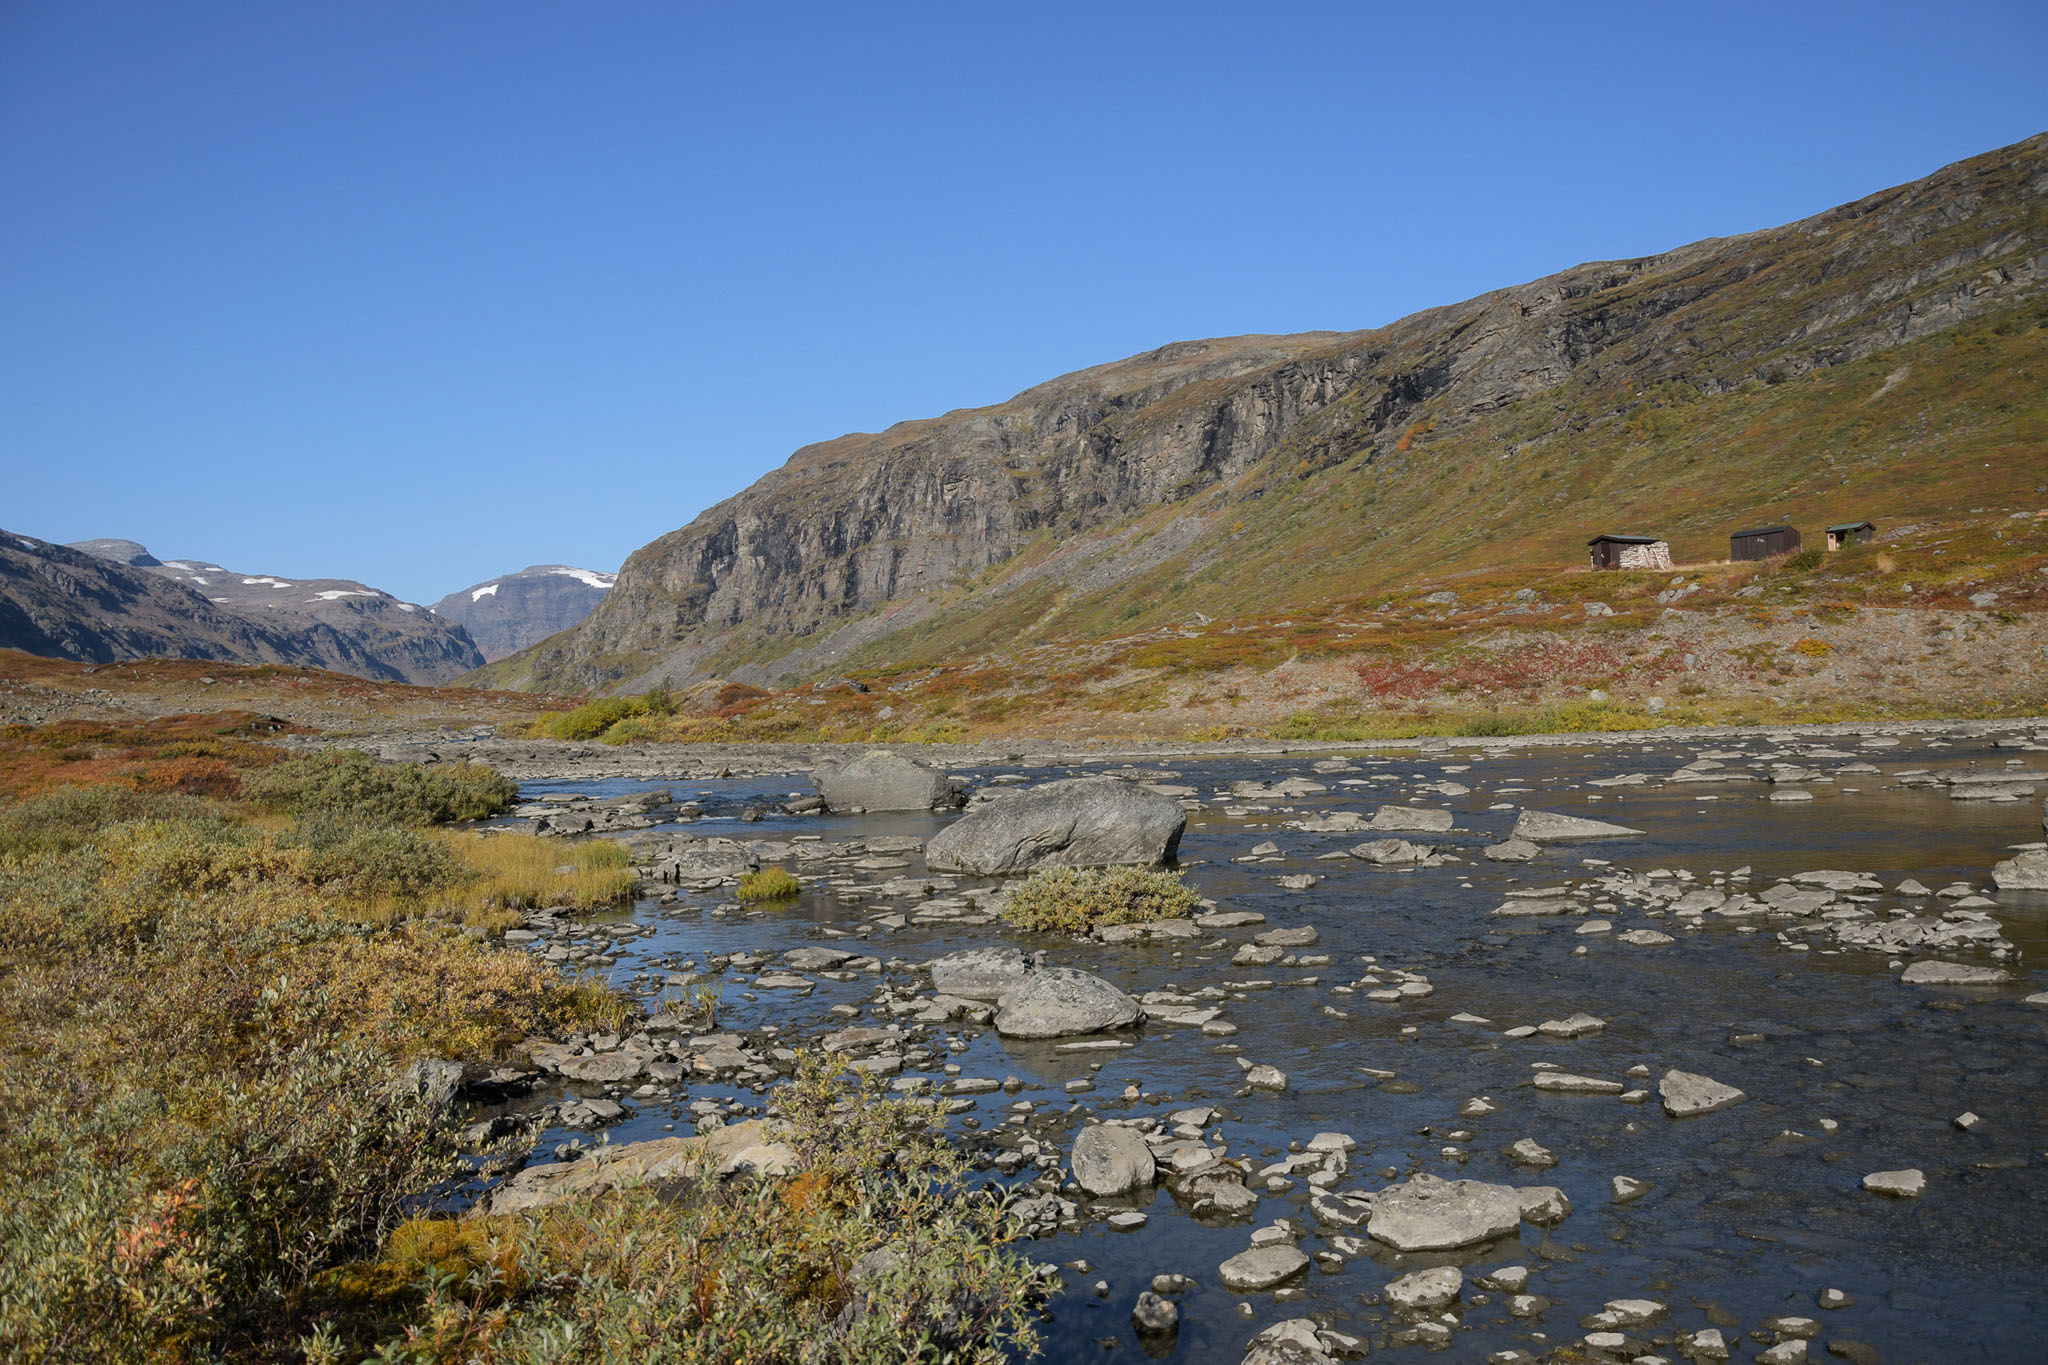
880	780
1547	827
1058	1002
1079	822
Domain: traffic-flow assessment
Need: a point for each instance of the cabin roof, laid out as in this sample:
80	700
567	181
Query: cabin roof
1760	531
1627	540
1854	526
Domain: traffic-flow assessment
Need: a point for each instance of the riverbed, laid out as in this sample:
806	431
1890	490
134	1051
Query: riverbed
1751	1214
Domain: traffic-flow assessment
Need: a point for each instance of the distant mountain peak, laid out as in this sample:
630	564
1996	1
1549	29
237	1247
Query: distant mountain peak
117	551
506	614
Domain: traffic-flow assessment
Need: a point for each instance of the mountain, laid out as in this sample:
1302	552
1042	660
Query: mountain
105	600
1893	346
506	614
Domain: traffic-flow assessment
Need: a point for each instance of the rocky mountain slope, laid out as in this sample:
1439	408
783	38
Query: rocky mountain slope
506	614
1732	380
110	599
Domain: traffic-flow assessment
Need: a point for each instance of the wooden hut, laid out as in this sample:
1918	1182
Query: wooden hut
1629	552
1763	542
1851	533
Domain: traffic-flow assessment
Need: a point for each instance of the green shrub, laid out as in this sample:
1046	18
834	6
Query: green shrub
1074	900
372	861
769	884
589	720
350	786
1806	561
69	817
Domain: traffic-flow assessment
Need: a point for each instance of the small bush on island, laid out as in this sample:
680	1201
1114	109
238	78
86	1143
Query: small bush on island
1068	900
769	884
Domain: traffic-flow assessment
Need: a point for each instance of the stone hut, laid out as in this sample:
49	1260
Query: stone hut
1629	552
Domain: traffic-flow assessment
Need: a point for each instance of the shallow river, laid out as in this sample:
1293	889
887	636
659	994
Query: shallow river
1753	1211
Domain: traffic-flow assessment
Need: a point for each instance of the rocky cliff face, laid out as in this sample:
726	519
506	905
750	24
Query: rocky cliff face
111	599
506	614
861	536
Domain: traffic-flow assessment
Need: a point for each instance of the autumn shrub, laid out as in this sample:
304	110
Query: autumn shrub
877	1251
1069	900
347	785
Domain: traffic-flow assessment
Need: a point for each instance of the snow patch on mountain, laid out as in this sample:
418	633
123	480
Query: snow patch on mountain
487	590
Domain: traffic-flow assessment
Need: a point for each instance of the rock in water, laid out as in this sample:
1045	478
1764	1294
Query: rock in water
2028	872
880	780
1411	819
982	973
1111	1160
1060	1001
1428	1214
1386	852
1546	827
1906	1184
1262	1267
1079	822
1929	973
1685	1094
1154	1316
1426	1289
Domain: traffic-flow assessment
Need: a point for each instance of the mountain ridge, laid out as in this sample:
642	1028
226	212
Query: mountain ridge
110	599
507	613
1146	473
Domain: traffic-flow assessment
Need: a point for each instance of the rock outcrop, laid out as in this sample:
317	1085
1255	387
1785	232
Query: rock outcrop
880	780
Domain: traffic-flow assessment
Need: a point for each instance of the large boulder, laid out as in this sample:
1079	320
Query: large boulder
880	780
986	974
1079	822
1548	827
1059	1002
1428	1214
1109	1159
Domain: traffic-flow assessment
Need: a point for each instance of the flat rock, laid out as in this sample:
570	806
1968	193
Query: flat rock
1262	1267
1426	1289
1425	1213
1059	1002
1907	1184
1547	827
2027	872
1079	822
1512	851
986	974
757	1146
1415	819
1685	1094
1927	972
1391	852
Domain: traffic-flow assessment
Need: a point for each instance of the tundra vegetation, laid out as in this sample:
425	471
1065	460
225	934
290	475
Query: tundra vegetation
217	964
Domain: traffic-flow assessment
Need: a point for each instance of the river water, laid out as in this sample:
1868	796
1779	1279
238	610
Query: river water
1753	1211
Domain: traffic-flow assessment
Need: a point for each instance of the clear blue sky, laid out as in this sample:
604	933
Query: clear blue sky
419	293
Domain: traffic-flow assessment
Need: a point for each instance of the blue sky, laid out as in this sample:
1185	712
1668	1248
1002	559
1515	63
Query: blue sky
422	293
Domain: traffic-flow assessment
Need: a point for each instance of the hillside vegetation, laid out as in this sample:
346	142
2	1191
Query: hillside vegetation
1881	360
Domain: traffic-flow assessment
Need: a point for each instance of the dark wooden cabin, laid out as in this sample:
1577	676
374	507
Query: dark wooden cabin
1763	543
1851	533
1629	552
